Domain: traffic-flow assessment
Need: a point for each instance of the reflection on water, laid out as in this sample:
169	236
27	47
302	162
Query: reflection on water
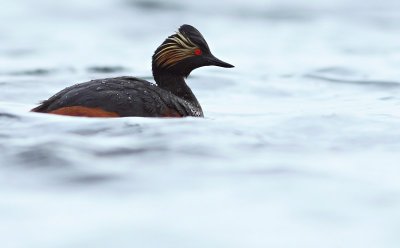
299	146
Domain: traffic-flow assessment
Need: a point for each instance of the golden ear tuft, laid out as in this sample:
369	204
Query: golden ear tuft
178	47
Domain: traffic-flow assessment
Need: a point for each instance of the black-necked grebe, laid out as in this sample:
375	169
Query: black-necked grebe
173	60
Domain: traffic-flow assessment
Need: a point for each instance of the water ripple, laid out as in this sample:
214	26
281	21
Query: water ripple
153	5
106	69
374	83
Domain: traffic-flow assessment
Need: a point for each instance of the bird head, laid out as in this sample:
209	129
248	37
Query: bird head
183	52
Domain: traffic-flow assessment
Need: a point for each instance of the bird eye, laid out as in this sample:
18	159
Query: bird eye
197	51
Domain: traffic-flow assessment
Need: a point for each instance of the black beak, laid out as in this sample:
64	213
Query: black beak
217	62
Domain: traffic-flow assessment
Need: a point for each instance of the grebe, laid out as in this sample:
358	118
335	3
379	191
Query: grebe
172	62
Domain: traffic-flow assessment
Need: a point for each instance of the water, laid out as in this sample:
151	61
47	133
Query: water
299	147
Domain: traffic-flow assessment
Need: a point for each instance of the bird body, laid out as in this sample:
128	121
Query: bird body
118	97
172	62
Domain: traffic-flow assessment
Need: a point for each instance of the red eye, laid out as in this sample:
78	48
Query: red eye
197	52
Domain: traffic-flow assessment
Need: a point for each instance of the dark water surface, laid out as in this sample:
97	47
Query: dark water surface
299	147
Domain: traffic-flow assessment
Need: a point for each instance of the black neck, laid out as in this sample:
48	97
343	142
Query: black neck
176	85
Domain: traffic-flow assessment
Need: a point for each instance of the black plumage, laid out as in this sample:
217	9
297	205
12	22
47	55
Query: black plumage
173	61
